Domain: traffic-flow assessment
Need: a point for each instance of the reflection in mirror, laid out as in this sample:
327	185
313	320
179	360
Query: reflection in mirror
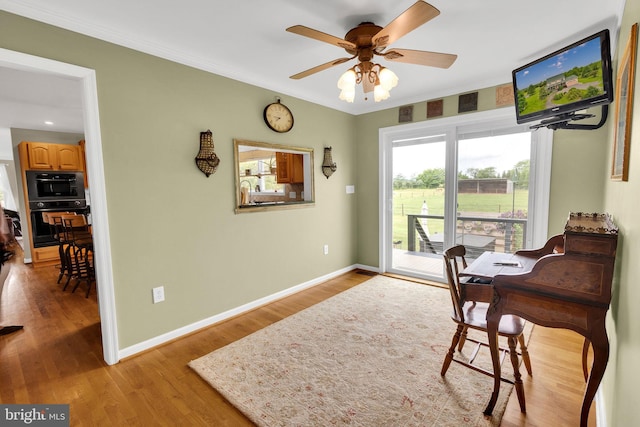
272	176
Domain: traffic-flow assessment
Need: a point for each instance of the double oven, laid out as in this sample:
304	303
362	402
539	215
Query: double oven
50	191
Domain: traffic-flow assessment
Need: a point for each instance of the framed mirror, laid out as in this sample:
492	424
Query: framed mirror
272	176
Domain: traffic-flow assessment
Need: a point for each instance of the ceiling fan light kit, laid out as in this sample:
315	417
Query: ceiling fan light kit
370	75
368	40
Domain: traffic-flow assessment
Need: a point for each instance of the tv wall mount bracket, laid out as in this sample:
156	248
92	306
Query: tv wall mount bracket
563	121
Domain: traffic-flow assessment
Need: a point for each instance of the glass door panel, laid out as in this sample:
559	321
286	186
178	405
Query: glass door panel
418	171
493	192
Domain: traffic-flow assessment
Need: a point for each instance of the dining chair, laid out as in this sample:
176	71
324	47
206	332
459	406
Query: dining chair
473	315
80	251
54	219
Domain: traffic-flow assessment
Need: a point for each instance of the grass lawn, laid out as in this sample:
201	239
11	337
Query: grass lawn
409	201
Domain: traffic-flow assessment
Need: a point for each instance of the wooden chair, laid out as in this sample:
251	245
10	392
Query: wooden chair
79	251
54	219
472	315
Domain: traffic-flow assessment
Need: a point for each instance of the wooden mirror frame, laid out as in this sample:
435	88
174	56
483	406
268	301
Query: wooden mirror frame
295	195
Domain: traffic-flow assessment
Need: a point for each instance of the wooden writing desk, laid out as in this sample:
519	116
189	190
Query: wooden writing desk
570	290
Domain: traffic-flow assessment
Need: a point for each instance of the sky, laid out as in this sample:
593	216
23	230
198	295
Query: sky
502	152
579	56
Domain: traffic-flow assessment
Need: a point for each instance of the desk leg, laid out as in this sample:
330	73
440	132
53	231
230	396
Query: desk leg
585	354
493	320
600	344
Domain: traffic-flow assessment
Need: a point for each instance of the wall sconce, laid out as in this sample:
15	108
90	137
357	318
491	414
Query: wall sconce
206	160
328	165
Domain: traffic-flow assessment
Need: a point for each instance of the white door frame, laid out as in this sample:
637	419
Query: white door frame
102	243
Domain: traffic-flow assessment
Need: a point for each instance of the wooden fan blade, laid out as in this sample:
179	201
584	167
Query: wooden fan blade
319	35
418	14
319	68
421	57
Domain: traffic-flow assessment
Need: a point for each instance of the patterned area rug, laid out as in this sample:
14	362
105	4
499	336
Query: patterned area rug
370	356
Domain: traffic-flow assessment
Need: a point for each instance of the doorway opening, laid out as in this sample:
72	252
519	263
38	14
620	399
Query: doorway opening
102	247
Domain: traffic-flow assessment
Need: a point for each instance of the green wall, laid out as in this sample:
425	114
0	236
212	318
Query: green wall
623	373
172	226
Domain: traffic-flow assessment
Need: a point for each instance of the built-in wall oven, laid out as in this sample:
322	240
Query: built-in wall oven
53	191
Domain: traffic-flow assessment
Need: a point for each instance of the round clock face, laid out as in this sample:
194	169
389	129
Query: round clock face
278	117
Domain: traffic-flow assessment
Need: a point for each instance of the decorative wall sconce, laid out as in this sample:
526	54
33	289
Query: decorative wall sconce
206	160
328	165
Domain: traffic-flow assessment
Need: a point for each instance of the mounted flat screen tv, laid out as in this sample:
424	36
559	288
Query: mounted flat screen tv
555	87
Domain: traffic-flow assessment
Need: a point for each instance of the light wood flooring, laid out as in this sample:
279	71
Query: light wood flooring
57	358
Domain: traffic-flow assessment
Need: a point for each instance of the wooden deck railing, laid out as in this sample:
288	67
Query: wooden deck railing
492	234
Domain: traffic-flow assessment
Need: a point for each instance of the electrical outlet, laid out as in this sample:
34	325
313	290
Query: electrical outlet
326	249
158	294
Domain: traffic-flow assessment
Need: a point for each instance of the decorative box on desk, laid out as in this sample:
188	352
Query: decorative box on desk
590	234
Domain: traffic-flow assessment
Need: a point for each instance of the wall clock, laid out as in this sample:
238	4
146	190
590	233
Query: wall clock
278	117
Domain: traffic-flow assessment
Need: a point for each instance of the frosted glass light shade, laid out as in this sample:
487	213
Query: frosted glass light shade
348	94
388	79
380	93
347	80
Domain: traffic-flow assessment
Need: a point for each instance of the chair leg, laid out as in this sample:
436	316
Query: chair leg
463	338
516	373
525	354
70	266
449	357
63	265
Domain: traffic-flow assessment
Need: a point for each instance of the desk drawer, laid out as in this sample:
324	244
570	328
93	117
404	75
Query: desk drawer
590	245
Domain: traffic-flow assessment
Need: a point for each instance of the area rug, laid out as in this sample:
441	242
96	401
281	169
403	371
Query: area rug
369	356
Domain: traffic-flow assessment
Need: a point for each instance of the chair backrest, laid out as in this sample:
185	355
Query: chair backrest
454	260
73	220
49	217
72	223
55	223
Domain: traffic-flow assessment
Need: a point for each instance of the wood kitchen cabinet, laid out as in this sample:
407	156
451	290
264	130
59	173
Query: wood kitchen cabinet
290	168
46	156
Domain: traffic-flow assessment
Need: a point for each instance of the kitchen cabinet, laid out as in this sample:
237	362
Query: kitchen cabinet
46	156
290	168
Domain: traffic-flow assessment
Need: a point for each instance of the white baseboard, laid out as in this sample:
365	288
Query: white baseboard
177	333
366	267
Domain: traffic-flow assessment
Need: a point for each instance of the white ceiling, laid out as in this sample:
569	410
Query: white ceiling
247	41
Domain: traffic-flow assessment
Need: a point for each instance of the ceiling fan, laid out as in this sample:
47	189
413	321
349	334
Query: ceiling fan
368	40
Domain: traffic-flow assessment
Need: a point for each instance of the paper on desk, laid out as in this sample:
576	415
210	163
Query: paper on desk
508	263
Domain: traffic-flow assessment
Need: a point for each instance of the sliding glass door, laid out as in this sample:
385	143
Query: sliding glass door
418	203
493	192
462	183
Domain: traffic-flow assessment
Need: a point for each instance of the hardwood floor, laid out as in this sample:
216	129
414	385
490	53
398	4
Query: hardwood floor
57	358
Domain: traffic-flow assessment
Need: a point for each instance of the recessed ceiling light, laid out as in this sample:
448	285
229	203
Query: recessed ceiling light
48	122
